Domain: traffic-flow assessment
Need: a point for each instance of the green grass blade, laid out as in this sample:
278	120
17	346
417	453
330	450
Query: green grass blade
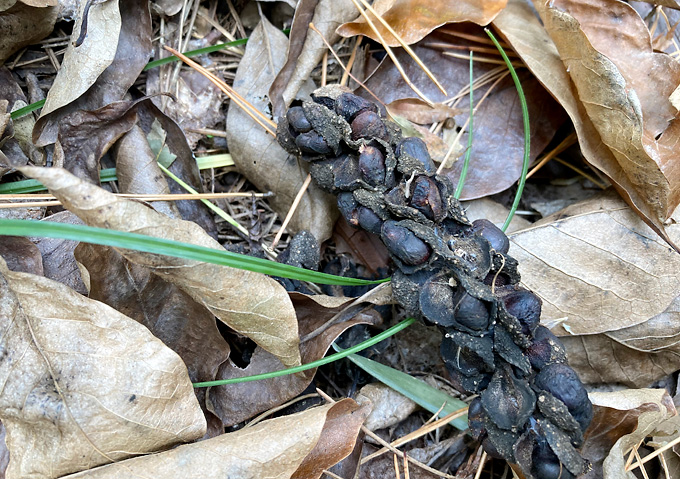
315	364
420	392
468	151
26	110
527	131
150	244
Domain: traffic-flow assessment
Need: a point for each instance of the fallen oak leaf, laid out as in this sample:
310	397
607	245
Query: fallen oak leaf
84	385
251	303
297	446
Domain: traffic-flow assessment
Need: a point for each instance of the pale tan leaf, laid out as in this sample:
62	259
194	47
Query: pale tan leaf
257	154
417	111
597	267
22	24
275	449
84	385
388	407
640	413
251	303
414	19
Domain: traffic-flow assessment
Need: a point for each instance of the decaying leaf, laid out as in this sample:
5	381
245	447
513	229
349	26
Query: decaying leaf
306	48
251	303
297	446
84	385
102	68
20	254
23	23
235	403
388	407
612	285
415	19
621	420
617	95
417	111
257	154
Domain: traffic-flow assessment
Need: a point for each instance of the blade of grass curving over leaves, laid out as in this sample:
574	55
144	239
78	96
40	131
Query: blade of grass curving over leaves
527	131
420	392
315	364
150	244
466	161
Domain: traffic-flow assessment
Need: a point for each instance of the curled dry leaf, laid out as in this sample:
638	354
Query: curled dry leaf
235	403
84	385
102	68
610	283
257	154
413	20
23	23
251	303
388	407
611	79
621	420
306	48
279	448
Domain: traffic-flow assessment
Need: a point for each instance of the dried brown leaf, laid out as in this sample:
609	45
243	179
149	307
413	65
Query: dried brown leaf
22	24
84	385
623	419
21	255
611	81
251	303
171	315
235	403
306	48
58	261
101	69
611	284
278	448
417	111
413	20
257	154
388	407
498	146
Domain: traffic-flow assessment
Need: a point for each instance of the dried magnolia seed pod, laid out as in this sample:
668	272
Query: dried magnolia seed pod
372	165
313	144
369	125
508	400
297	120
349	106
493	234
403	244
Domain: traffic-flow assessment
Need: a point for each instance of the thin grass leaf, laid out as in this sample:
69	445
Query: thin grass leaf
315	364
150	244
420	392
527	132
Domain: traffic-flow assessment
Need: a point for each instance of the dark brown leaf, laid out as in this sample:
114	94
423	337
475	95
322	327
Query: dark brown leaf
22	24
21	254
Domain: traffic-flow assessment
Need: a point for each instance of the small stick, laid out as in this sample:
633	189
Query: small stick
392	55
350	62
651	456
406	48
292	209
482	460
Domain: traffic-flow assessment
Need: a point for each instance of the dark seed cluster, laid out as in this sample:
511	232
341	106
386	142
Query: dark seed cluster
532	408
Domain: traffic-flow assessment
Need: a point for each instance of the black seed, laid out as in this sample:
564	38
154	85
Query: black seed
349	106
546	465
348	206
426	198
346	173
368	124
312	143
436	301
417	149
508	401
471	312
297	119
372	165
562	382
476	418
493	234
405	245
369	221
526	307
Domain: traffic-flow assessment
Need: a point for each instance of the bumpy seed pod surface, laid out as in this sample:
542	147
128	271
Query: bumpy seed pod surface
532	409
